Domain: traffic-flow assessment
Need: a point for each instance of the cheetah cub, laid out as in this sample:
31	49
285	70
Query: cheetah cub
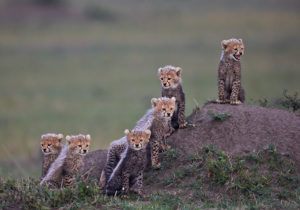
128	174
229	73
161	127
117	147
170	78
51	145
78	146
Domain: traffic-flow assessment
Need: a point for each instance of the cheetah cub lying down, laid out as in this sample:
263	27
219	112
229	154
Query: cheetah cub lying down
229	73
129	171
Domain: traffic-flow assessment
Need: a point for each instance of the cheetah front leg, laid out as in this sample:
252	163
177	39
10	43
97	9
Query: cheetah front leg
235	92
154	153
125	183
221	91
68	180
181	118
138	185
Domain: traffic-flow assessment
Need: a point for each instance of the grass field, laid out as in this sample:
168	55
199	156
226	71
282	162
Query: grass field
73	74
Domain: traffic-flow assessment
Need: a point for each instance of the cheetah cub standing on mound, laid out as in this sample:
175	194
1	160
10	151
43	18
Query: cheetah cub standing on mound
170	78
229	73
51	145
129	171
78	146
161	127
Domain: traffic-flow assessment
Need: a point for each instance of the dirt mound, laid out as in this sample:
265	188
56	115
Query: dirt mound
239	130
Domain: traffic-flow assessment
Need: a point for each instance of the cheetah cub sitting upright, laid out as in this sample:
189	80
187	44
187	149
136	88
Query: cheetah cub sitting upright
128	174
229	73
51	145
161	127
78	146
170	78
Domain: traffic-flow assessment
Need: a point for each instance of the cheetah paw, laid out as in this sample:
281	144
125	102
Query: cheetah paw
221	101
236	102
183	125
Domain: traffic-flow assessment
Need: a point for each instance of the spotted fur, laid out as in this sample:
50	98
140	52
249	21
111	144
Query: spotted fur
117	148
51	145
78	146
229	72
161	127
129	173
170	78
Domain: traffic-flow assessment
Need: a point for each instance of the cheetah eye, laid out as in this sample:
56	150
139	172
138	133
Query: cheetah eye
164	109
161	78
169	78
49	145
132	140
87	145
171	108
141	140
242	48
235	49
42	144
79	145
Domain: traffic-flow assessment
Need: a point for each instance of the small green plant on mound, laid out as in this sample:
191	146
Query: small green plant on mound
218	116
286	102
290	101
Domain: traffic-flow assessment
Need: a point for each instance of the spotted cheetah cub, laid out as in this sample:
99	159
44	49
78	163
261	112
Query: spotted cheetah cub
117	147
51	145
161	127
170	78
78	146
229	73
129	171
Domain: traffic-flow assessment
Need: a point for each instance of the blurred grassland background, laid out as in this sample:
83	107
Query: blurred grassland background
90	66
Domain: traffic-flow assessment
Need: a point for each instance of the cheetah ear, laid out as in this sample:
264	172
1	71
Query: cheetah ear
224	44
241	41
43	136
148	132
127	132
159	70
178	71
60	137
88	137
68	138
154	102
173	99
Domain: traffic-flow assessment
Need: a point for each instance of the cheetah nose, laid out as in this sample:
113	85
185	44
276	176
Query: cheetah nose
44	150
165	84
169	114
136	145
241	53
84	151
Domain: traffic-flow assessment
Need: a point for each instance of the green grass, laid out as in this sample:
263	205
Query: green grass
97	76
207	179
218	116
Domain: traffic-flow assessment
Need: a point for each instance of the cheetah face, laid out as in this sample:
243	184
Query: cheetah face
170	76
234	48
164	106
137	140
79	144
51	143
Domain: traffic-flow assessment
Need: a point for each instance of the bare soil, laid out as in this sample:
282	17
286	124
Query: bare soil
249	128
